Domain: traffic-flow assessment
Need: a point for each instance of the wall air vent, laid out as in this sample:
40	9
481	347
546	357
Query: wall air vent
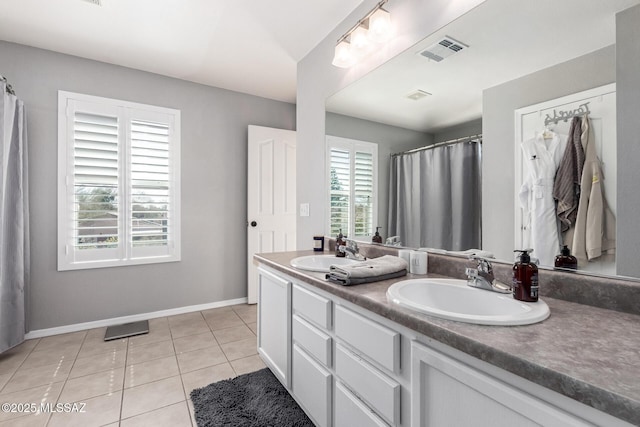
418	94
443	49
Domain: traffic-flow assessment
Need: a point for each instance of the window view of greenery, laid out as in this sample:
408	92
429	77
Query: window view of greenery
339	202
96	216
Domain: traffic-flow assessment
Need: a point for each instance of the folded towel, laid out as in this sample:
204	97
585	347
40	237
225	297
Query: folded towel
373	270
468	252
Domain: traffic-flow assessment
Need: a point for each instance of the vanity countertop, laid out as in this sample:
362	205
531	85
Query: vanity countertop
587	353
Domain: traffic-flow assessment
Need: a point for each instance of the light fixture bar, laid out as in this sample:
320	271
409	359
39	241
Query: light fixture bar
362	21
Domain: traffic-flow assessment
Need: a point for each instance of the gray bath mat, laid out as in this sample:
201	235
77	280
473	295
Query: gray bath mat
256	399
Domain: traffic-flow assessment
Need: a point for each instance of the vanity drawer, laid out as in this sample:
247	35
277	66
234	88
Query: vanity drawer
312	306
377	342
351	411
312	387
376	389
317	343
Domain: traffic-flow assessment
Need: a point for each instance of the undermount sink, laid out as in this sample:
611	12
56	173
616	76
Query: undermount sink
320	263
452	299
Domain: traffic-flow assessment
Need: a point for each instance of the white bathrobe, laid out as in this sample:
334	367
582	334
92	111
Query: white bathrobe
541	158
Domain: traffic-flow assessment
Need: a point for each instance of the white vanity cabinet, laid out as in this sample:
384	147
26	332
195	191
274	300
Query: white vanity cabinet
347	366
274	323
447	392
312	384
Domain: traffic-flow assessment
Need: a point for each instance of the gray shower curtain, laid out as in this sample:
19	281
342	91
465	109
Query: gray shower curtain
14	220
435	197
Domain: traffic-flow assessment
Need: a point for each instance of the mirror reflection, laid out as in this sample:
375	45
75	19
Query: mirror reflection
450	126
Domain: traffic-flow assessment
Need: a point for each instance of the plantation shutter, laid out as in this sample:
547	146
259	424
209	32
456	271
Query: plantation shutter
340	190
118	183
352	175
150	183
95	181
363	194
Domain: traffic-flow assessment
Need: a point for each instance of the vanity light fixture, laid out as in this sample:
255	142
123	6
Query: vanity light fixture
359	41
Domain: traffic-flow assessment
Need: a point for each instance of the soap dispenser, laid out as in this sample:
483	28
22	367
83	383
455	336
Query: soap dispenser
377	238
566	260
525	278
340	242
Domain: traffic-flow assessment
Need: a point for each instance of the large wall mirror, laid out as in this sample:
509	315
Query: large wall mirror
513	54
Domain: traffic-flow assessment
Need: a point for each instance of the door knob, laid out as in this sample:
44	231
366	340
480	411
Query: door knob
253	223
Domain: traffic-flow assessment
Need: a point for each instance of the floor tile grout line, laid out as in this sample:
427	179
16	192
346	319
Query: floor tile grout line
184	389
20	365
124	378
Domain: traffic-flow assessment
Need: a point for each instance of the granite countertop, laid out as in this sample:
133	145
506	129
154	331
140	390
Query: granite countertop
587	353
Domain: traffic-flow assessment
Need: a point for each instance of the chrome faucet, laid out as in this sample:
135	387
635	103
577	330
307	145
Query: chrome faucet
351	249
482	277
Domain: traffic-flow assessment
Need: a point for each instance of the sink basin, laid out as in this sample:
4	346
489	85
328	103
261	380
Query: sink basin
319	263
453	299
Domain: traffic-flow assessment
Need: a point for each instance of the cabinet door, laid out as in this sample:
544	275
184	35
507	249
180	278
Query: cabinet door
274	324
446	392
312	387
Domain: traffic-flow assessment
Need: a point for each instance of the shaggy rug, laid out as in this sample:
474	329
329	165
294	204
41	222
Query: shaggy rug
256	399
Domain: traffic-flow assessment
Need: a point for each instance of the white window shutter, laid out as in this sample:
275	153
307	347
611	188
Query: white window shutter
95	181
363	177
118	183
352	180
150	186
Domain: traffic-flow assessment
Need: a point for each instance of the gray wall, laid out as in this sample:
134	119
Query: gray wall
390	139
473	127
318	79
628	106
214	159
498	148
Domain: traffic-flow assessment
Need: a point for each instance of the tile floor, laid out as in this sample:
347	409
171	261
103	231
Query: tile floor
138	381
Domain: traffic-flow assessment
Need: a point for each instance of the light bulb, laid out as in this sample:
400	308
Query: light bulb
380	26
360	41
343	57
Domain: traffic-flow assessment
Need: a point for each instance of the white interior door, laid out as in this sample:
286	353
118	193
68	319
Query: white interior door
271	196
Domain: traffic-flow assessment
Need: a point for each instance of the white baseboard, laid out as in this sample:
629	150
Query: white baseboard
39	333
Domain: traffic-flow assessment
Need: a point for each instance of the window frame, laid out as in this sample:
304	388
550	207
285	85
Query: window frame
125	253
353	146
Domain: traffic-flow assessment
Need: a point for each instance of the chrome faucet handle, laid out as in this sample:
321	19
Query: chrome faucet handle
484	265
482	277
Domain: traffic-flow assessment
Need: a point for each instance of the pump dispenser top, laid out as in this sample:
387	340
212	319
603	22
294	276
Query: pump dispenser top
377	238
525	277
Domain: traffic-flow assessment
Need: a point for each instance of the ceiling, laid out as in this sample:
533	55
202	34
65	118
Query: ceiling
507	39
249	46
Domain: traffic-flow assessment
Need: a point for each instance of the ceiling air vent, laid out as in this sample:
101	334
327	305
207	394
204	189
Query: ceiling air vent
418	94
443	49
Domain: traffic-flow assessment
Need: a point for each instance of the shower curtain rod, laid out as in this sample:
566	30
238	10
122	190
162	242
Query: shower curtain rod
440	144
8	86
